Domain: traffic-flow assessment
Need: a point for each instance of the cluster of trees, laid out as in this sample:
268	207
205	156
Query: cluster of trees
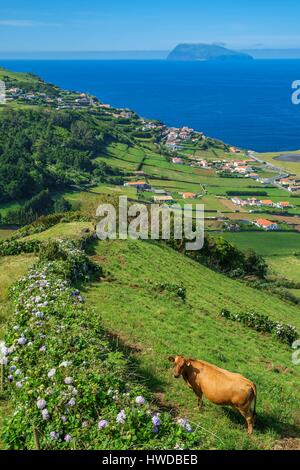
46	149
40	204
221	255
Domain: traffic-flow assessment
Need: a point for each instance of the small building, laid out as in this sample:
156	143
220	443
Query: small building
239	202
177	160
189	195
266	224
267	202
294	189
283	205
163	199
141	185
253	202
234	150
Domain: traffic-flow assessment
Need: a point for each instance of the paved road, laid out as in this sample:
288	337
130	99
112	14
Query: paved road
278	170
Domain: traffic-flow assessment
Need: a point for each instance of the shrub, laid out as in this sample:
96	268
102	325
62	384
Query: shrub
178	290
14	247
285	333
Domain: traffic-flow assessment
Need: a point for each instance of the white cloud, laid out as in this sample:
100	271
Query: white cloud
24	23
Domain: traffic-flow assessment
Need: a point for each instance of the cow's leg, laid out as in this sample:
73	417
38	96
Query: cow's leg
248	416
200	400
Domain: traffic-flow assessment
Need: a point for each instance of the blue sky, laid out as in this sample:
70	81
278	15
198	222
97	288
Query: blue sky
95	25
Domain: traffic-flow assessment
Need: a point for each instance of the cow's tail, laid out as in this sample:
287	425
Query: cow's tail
255	398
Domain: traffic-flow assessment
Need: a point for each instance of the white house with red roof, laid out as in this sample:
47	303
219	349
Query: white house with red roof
266	224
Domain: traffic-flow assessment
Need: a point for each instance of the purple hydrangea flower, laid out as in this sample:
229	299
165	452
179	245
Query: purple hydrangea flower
10	378
156	421
64	419
85	424
42	349
68	380
22	341
18	372
39	314
185	424
45	414
54	435
72	402
5	351
102	424
155	429
121	417
19	385
51	373
67	438
140	400
41	404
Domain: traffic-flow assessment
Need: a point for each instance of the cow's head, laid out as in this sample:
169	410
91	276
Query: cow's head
179	365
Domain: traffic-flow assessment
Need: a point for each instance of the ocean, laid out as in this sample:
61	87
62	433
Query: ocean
247	104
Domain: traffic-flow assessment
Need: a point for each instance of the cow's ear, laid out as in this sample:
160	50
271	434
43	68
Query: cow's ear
172	359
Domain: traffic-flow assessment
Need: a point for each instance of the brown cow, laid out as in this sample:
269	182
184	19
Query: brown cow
219	386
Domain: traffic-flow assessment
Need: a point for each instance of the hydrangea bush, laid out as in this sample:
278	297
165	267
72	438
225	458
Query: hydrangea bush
283	332
68	388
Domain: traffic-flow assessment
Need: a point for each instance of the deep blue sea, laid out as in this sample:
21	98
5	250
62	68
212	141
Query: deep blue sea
245	104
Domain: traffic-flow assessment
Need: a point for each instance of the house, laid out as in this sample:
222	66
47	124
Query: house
283	205
234	150
266	224
267	202
285	182
142	185
189	195
238	201
177	160
105	106
294	189
253	202
241	169
163	199
239	163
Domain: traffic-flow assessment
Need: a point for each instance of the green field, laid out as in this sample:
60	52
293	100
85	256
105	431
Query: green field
266	243
153	325
286	266
291	167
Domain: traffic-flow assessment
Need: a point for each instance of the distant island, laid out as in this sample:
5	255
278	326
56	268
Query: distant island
206	52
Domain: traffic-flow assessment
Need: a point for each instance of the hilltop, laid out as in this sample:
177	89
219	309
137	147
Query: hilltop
205	52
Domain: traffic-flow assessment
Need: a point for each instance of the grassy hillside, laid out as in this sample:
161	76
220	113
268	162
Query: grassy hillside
152	325
85	154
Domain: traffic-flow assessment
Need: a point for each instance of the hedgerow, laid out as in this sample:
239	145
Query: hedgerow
68	387
262	323
12	248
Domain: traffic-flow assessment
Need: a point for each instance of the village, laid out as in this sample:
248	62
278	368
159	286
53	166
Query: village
234	163
239	165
